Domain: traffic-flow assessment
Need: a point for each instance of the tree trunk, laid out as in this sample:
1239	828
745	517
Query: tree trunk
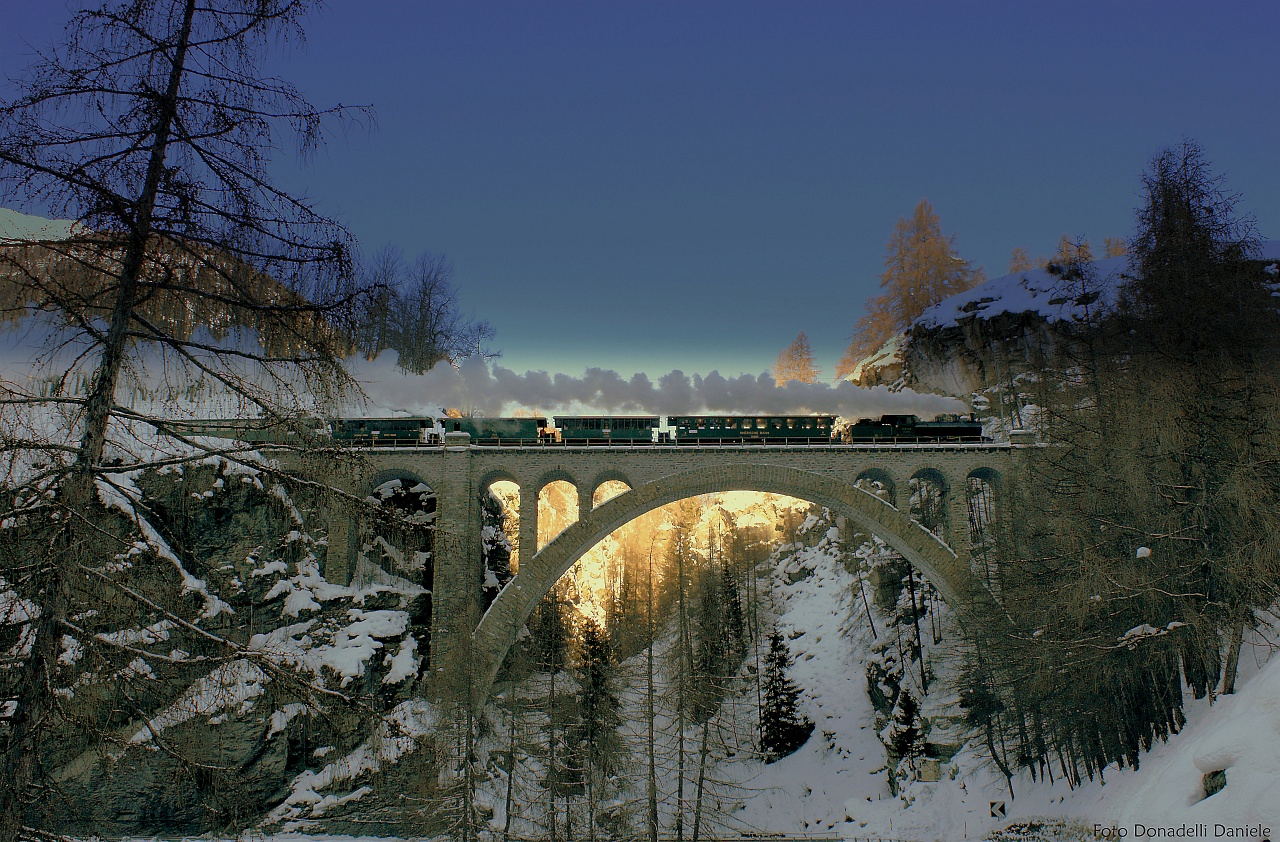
1233	658
34	705
702	777
551	755
511	767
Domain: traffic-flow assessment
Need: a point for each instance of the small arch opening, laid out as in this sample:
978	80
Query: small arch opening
557	510
927	501
401	545
980	497
607	490
880	483
507	495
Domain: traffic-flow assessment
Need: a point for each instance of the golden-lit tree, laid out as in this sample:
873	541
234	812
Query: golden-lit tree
1070	252
796	363
921	268
1020	261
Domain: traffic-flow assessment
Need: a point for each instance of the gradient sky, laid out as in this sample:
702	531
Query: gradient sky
659	185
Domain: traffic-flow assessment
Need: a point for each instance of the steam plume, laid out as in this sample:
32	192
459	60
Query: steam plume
477	386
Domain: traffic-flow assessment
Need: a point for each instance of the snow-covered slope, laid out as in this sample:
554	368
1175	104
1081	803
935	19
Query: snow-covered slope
1037	291
16	226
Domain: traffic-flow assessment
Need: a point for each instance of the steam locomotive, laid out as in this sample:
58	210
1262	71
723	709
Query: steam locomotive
597	430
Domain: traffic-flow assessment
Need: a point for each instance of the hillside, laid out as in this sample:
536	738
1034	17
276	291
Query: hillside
984	337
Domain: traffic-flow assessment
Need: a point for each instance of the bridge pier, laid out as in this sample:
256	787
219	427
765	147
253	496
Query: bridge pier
338	557
528	541
957	527
458	567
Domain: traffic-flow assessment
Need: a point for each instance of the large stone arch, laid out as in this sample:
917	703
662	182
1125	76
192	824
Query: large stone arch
502	622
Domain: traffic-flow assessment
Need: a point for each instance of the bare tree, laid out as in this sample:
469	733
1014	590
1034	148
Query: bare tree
153	127
416	313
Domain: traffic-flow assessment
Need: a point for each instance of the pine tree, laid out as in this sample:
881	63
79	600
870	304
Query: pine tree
597	734
1114	247
795	362
782	728
906	739
1071	252
922	267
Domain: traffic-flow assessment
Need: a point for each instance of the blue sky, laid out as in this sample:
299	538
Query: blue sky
659	185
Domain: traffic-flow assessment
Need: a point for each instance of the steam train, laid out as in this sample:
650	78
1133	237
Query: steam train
597	430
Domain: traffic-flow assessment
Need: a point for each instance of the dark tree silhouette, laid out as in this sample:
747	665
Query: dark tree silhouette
782	728
152	126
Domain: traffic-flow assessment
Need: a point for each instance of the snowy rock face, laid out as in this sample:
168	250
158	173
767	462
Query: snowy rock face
187	734
988	335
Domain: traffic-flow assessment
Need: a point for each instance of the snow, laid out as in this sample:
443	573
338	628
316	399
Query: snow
396	734
1037	291
281	718
404	663
230	686
16	227
119	492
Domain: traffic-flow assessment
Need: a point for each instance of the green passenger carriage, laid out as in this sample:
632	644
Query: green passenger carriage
606	429
498	431
752	429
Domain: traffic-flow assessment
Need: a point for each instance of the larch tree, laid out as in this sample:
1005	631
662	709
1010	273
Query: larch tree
921	268
1020	261
1147	538
153	126
795	362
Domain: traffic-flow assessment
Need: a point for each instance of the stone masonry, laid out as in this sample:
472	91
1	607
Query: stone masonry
467	649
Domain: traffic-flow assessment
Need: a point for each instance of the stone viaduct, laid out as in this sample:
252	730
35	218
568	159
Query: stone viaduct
469	647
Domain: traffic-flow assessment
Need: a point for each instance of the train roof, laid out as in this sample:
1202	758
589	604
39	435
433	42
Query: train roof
603	417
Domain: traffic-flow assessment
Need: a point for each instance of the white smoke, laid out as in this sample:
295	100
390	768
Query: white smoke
479	387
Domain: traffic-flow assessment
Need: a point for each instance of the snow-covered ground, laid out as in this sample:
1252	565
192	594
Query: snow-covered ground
1036	290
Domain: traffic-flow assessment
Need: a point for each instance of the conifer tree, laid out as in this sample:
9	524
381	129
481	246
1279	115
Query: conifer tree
153	125
1071	252
1150	538
795	362
782	728
922	267
906	739
597	731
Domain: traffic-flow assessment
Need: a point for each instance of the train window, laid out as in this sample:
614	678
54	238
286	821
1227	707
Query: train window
791	423
702	423
731	423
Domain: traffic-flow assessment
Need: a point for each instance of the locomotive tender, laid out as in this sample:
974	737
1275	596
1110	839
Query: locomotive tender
598	430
